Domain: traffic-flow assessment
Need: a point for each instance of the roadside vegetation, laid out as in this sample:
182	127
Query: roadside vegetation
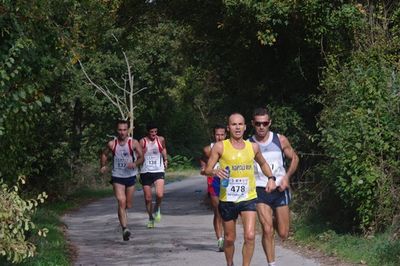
372	250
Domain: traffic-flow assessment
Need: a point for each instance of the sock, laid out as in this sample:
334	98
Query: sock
272	263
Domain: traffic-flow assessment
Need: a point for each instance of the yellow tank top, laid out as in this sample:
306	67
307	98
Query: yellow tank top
242	182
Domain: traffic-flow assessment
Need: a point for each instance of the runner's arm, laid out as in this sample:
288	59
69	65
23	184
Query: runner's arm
204	159
104	157
139	153
164	152
294	161
215	154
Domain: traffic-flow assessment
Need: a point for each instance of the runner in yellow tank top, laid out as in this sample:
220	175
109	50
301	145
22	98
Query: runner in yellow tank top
242	182
238	154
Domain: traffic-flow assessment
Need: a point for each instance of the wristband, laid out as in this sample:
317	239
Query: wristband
272	177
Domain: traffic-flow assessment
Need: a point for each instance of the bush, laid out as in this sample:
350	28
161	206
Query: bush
15	221
359	128
179	162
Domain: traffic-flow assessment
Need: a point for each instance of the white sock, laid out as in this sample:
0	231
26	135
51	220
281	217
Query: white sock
272	263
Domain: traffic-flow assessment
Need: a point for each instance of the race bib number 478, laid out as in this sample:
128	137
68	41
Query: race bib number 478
237	189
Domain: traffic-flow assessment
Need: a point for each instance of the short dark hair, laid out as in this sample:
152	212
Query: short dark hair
261	111
122	121
218	126
151	125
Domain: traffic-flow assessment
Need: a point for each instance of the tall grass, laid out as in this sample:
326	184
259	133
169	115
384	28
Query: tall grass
380	249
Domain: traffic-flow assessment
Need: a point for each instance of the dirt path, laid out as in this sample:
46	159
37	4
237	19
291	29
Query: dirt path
183	237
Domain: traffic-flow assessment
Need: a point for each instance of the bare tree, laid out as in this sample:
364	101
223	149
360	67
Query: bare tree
124	99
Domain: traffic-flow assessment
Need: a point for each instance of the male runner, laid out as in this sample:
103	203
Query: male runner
239	197
127	155
213	185
275	148
153	171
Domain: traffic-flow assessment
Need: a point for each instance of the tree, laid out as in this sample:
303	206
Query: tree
123	100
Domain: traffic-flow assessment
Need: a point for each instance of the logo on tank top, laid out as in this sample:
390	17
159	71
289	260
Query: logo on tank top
242	167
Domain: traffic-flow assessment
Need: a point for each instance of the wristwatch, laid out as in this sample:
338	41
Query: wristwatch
272	177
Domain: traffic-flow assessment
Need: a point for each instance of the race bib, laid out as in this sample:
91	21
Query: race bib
121	163
151	162
237	189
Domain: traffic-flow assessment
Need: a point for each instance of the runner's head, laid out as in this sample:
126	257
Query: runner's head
152	130
261	121
236	125
122	129
219	133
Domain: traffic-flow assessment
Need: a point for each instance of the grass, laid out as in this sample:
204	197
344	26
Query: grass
54	249
376	250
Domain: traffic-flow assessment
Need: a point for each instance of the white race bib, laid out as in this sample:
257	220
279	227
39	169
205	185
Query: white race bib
237	189
151	162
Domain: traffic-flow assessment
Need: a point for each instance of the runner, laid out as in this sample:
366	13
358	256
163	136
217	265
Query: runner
153	171
213	185
236	158
127	155
275	148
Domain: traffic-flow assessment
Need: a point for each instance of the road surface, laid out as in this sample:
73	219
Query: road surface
184	236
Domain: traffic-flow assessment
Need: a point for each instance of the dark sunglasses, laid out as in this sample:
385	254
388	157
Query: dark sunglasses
265	123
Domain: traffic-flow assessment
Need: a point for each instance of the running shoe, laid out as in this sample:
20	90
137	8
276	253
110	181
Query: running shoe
157	216
126	234
220	244
150	224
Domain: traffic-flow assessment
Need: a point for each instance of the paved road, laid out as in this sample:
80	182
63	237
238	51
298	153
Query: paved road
183	237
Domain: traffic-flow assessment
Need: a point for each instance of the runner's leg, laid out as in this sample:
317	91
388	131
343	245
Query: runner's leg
129	191
249	226
119	192
230	236
148	200
283	220
265	218
217	220
159	184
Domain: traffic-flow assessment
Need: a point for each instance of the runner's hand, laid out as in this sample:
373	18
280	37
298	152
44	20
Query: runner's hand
271	186
130	165
103	169
284	184
221	173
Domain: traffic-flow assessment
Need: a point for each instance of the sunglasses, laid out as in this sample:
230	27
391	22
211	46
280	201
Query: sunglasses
265	123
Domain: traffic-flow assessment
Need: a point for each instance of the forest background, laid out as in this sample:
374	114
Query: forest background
328	70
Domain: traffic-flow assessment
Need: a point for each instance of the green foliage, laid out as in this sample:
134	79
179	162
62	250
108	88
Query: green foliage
360	130
287	121
377	250
16	222
180	162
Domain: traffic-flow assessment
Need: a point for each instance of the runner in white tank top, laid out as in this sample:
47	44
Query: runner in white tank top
275	149
153	171
128	156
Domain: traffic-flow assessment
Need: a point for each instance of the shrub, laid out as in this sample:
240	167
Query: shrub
180	162
15	222
359	128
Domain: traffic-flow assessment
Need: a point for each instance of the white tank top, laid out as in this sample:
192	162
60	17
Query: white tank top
123	154
273	154
153	159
